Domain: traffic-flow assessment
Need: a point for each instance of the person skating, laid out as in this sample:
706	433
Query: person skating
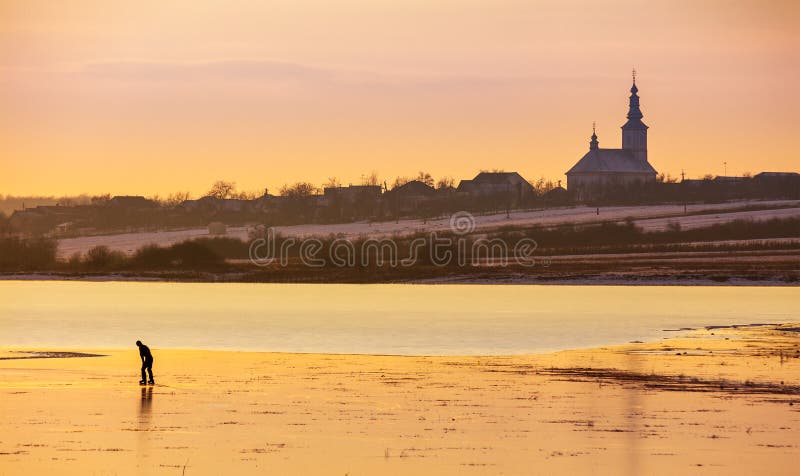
147	363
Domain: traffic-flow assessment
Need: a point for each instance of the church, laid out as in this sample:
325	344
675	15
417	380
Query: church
602	168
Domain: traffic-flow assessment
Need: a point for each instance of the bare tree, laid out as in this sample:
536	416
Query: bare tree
176	199
542	185
222	189
101	199
445	183
332	182
425	178
299	189
371	179
400	181
245	195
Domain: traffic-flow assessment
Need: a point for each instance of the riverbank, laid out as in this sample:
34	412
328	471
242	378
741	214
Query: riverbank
764	266
512	279
718	401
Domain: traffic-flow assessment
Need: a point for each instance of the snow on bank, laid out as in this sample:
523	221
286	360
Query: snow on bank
652	218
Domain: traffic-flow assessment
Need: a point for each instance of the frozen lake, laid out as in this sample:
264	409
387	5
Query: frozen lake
370	319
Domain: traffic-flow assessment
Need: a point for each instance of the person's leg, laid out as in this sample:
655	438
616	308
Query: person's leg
144	366
150	369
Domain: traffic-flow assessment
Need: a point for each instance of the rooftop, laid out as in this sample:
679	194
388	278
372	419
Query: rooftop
611	161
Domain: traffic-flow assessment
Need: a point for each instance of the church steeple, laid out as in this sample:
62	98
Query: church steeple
633	108
634	132
593	145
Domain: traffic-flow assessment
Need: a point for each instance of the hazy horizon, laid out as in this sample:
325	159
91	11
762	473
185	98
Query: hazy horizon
149	98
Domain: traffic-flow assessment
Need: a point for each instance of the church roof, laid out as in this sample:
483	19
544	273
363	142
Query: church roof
496	177
776	174
635	124
414	187
611	161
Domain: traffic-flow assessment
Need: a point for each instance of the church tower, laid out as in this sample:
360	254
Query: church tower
634	132
593	144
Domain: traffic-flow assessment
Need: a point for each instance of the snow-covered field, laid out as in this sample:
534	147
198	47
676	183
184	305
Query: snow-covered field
700	221
130	242
649	217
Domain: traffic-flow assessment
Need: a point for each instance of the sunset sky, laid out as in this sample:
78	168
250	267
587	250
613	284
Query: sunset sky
146	97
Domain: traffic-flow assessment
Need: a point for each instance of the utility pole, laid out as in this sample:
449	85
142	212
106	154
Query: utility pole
683	190
508	202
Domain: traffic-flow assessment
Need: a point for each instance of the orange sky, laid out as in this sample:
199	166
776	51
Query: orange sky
154	97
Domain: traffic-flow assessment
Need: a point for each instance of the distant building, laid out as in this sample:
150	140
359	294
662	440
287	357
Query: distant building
497	183
209	204
131	202
347	203
46	218
600	168
39	218
414	188
777	176
730	179
352	193
265	203
410	196
236	205
778	184
694	183
557	196
204	204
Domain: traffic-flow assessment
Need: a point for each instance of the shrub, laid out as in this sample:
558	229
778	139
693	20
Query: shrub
101	257
27	254
226	247
193	254
187	254
151	256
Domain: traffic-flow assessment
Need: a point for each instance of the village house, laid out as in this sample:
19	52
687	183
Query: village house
557	196
352	193
509	184
341	203
777	176
410	196
48	218
131	202
211	204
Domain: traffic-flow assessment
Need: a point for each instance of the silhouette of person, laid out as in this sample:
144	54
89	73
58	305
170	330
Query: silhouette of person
147	362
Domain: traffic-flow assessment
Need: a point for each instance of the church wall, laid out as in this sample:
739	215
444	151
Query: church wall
610	178
583	183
